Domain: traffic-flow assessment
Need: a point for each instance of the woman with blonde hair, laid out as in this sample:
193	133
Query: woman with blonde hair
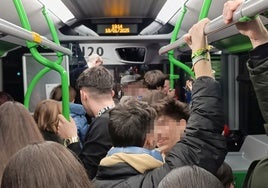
46	116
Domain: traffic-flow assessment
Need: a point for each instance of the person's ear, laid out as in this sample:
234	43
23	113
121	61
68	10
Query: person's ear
113	93
83	95
149	141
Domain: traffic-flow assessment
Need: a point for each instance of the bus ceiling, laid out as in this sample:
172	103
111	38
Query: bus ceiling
115	20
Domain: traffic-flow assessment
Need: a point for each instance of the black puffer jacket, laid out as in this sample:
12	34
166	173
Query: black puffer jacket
202	144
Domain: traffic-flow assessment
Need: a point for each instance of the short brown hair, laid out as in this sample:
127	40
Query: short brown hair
154	79
172	108
130	121
98	79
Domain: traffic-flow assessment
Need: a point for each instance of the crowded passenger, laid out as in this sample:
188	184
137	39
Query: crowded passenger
257	66
17	129
193	152
56	93
132	86
166	88
44	165
157	80
190	177
4	97
91	61
46	116
154	79
153	96
132	162
225	175
77	111
257	63
95	86
170	123
188	90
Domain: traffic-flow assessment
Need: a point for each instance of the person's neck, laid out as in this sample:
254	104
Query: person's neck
102	105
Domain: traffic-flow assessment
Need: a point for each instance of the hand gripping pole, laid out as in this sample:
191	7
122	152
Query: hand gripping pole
249	9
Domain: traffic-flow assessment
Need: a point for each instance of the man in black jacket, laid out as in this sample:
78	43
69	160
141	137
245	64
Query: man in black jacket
132	163
258	69
95	86
258	59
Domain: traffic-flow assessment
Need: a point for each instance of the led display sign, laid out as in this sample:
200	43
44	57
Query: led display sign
117	29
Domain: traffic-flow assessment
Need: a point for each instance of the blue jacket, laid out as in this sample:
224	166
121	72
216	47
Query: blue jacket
78	113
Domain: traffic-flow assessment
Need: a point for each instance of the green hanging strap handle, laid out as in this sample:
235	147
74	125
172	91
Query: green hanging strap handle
173	61
203	14
46	62
45	70
246	18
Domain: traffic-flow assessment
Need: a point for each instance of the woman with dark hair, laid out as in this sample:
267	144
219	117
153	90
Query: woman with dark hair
17	129
190	177
225	175
4	97
44	165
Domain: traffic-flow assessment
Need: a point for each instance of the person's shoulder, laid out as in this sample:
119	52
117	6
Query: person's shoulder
103	119
98	131
77	109
100	123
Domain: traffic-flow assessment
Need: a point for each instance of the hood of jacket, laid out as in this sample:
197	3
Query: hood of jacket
77	109
140	162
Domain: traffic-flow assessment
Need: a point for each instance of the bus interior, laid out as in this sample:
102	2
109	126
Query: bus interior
131	35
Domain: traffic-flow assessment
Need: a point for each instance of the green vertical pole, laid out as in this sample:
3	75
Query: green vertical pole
203	14
205	9
49	64
171	57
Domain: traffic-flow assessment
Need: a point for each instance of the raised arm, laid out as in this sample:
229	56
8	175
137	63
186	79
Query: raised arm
202	140
258	56
254	29
197	41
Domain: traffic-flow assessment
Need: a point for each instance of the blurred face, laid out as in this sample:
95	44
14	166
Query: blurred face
168	132
134	89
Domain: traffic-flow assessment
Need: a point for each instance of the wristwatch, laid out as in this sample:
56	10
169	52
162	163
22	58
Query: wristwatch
70	140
